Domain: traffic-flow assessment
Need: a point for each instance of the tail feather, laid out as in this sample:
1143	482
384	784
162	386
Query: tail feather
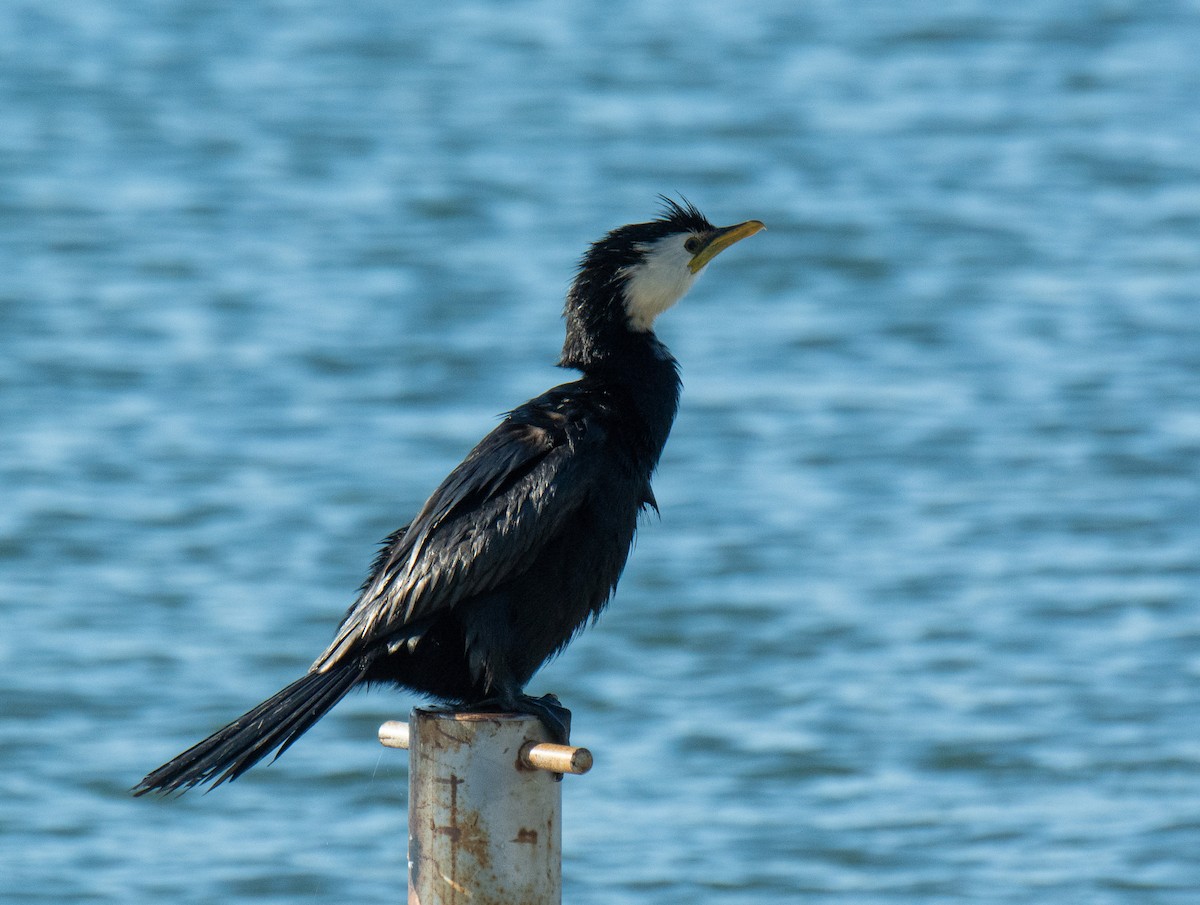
275	723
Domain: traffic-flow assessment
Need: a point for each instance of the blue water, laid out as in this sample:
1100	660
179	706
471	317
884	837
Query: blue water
919	621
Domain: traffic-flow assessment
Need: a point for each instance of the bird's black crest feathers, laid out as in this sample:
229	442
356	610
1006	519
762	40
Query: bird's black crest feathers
683	215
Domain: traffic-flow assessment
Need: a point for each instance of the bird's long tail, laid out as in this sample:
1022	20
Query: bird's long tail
275	723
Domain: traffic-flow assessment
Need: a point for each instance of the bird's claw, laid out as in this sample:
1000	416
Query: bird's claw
554	716
548	709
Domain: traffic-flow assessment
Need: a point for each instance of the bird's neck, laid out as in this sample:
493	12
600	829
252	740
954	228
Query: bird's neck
639	368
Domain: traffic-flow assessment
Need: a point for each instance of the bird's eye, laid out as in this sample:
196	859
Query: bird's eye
692	245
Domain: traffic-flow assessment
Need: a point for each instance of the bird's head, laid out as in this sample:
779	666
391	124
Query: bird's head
635	273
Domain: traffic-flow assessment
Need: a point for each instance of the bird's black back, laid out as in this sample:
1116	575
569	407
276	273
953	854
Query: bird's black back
521	543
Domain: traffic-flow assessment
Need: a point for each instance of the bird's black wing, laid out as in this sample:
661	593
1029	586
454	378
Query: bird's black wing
487	522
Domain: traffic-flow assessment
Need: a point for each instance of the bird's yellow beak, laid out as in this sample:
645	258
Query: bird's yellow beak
720	239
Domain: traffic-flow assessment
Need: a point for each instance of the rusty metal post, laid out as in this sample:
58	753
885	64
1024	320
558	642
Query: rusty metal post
484	809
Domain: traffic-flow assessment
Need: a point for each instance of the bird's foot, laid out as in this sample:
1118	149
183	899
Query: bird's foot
548	709
554	716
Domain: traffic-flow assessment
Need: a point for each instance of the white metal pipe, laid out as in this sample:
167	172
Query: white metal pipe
394	734
534	755
484	823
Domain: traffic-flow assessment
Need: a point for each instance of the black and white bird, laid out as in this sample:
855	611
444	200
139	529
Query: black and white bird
523	543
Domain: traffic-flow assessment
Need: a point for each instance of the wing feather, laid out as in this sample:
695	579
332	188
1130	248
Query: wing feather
485	523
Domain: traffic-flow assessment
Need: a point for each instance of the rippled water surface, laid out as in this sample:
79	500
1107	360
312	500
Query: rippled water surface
919	621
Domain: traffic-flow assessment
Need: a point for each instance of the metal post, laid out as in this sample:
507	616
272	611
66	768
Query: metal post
484	809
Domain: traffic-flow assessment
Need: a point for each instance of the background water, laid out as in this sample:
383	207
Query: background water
919	620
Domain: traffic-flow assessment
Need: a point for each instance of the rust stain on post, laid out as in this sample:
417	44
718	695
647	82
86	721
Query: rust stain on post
481	830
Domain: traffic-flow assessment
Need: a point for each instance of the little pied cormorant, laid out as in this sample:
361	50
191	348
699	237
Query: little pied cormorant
524	541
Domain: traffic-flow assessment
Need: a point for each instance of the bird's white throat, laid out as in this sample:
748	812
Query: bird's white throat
658	281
